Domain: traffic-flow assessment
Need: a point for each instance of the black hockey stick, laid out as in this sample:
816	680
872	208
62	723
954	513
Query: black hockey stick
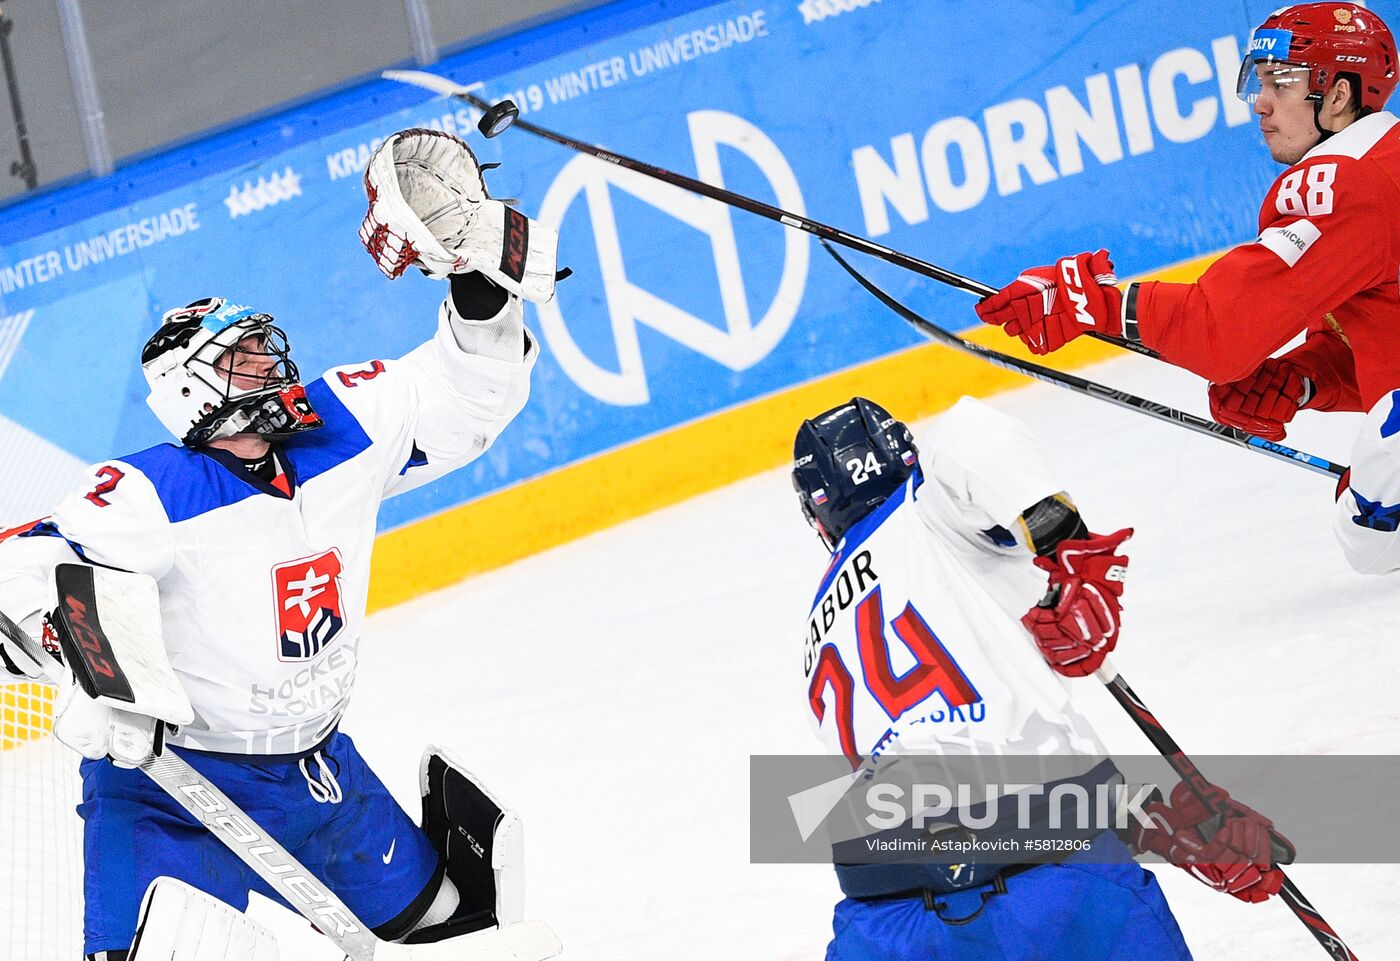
1186	769
496	119
1231	435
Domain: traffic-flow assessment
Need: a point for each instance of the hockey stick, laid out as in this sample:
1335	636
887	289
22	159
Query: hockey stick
1188	772
525	941
1231	435
503	119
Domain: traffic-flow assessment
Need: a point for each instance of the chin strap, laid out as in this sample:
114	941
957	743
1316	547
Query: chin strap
1323	132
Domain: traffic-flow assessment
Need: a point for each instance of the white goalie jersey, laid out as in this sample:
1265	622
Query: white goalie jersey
263	587
1367	516
914	642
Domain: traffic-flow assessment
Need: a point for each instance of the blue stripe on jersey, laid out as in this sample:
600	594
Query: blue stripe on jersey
1392	422
415	459
190	484
314	452
862	529
50	529
1375	515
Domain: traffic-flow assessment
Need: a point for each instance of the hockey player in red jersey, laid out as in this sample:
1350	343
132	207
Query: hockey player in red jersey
1326	259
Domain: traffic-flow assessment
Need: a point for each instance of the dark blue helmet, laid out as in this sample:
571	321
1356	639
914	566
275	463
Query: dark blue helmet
846	461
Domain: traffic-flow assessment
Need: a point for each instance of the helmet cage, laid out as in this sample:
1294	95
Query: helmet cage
203	389
274	405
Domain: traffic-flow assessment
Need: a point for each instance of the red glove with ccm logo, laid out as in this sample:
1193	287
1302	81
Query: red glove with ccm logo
1076	624
1047	307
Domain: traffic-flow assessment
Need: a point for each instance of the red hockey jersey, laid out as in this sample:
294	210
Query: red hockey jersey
1326	260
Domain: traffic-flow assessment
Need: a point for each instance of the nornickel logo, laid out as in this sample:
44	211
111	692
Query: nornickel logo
736	339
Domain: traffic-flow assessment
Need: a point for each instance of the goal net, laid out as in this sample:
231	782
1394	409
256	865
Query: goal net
41	896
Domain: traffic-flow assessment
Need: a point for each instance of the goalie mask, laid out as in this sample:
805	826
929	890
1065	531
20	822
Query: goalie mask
216	369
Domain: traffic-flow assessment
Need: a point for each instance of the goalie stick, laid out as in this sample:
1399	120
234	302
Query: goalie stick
1188	772
246	839
1230	435
525	941
499	117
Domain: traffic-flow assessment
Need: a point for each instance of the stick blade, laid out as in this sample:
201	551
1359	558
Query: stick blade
430	81
525	941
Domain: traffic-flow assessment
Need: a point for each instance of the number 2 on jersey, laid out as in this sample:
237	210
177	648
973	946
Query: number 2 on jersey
895	693
369	373
110	476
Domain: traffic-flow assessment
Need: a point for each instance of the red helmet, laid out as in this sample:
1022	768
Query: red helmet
1329	39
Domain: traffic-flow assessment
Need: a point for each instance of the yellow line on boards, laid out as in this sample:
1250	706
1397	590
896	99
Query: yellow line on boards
689	459
652	473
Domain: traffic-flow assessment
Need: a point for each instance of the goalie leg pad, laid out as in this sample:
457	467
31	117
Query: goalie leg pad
481	842
180	923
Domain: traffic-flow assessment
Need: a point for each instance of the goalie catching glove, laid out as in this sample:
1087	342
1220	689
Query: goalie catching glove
428	206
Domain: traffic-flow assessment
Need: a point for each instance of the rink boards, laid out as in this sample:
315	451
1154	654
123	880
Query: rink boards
691	338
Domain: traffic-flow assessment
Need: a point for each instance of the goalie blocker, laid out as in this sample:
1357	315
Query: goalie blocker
108	624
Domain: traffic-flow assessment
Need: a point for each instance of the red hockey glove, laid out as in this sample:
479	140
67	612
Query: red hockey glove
1263	402
1076	624
1236	851
1049	306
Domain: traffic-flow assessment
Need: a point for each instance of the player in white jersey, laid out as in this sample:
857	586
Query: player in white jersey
1367	515
934	631
258	528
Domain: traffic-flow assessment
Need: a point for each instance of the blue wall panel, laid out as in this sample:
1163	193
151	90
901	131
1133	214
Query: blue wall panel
983	141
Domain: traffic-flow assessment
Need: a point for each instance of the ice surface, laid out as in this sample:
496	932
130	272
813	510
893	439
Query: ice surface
614	688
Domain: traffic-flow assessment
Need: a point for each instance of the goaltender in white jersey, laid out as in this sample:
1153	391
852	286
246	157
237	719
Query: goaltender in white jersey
257	528
264	581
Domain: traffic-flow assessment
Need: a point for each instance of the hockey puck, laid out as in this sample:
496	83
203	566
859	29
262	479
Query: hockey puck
494	121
